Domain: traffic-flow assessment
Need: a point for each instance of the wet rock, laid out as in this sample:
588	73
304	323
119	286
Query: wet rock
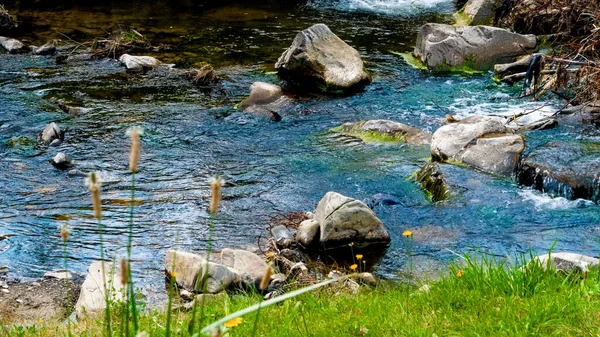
13	46
52	135
432	182
386	131
320	58
382	199
248	265
77	173
308	232
568	262
47	49
187	269
505	69
61	161
478	12
265	100
139	63
203	76
443	47
92	297
568	169
481	142
344	220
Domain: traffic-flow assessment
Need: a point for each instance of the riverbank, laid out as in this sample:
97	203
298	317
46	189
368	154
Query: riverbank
472	298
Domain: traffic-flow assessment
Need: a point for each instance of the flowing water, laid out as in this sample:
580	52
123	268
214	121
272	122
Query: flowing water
271	169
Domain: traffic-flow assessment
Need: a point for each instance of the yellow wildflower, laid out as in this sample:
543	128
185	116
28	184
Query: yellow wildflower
233	323
407	233
353	267
270	255
359	256
460	273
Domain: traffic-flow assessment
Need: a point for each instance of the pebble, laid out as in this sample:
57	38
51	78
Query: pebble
5	291
19	301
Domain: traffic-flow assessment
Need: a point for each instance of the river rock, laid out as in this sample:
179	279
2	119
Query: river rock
139	63
283	236
480	141
478	12
250	267
568	169
92	297
61	161
61	274
266	100
187	269
444	47
318	57
343	220
52	135
13	46
502	70
47	49
308	232
568	262
382	130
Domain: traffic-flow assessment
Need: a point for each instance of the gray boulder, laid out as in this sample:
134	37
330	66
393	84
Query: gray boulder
386	131
92	297
266	100
307	232
13	46
567	169
52	135
139	63
248	265
61	161
343	220
478	12
480	141
188	268
443	47
318	57
568	262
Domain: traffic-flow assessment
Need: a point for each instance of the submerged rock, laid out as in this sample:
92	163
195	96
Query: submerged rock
385	131
92	297
478	12
570	170
52	135
320	58
432	182
13	46
443	47
139	63
480	141
265	100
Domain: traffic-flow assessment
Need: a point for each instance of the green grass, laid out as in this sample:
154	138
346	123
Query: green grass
490	298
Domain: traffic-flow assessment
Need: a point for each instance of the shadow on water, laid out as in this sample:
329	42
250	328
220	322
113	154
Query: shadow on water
192	134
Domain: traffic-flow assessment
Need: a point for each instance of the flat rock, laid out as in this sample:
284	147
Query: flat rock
318	57
13	46
61	274
92	297
445	47
567	169
139	63
568	262
381	130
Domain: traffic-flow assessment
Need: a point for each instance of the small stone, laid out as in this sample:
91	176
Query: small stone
4	290
139	63
36	284
61	161
61	275
367	279
46	49
20	301
186	295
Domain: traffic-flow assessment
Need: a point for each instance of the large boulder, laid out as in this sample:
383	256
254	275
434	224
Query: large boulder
385	131
478	12
101	276
480	141
568	169
188	268
13	46
443	47
319	58
343	220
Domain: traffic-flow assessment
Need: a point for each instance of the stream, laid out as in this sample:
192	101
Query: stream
271	169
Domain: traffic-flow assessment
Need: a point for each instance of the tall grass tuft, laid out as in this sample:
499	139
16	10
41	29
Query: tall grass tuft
64	235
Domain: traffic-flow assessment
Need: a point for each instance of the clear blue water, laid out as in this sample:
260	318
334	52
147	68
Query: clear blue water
270	168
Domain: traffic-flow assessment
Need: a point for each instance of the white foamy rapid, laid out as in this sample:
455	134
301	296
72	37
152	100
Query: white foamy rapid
383	6
543	201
